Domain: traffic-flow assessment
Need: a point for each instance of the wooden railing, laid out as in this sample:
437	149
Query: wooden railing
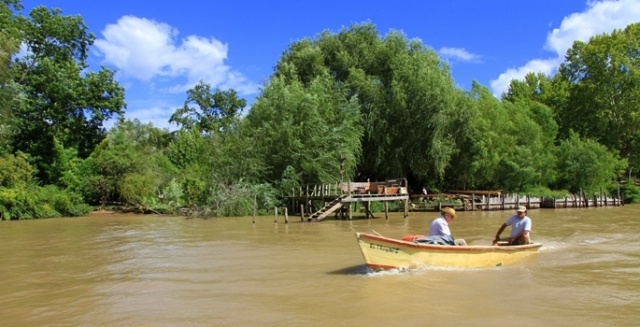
393	186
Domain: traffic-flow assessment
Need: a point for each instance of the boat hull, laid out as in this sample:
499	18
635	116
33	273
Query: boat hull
387	253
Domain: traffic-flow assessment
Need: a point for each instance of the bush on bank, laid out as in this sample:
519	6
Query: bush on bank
30	202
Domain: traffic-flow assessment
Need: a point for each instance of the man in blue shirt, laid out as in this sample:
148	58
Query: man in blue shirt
440	228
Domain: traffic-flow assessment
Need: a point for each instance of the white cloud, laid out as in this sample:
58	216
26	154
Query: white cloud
156	115
148	51
159	116
546	66
599	17
458	54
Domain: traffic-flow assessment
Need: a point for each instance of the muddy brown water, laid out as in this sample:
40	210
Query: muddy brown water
127	270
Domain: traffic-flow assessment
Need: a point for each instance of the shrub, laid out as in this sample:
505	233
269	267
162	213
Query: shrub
29	202
630	193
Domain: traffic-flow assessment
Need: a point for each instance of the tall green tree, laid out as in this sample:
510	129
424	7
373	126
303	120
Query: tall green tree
10	95
216	161
550	91
209	110
63	101
605	91
223	148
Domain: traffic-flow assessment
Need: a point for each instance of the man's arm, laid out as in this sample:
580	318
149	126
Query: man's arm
495	241
525	237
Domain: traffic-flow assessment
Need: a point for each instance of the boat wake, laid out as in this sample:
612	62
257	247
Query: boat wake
421	270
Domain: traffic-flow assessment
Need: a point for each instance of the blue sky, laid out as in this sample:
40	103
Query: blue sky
161	49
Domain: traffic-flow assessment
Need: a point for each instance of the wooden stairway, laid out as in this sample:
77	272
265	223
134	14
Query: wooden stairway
328	209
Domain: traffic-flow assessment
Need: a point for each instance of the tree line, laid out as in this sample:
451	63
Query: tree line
383	106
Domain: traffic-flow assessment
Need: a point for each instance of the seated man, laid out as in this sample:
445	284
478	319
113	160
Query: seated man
439	232
520	228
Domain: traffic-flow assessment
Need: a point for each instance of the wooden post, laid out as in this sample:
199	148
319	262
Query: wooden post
367	208
619	198
286	215
586	200
386	205
302	212
276	219
255	203
473	202
580	199
406	207
386	210
306	200
350	212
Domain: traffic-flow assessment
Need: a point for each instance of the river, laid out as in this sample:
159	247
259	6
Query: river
143	270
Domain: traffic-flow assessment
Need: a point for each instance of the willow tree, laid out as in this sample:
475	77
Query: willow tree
400	85
542	98
501	145
481	134
303	133
552	92
587	165
605	91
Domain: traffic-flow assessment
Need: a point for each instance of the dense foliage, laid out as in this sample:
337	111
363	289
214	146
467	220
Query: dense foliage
352	105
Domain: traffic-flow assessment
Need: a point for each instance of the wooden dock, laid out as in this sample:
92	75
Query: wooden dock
496	200
317	201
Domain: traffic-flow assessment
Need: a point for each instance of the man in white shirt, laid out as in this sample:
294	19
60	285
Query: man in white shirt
520	228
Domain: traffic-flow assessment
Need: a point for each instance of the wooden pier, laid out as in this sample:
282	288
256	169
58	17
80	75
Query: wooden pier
316	202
